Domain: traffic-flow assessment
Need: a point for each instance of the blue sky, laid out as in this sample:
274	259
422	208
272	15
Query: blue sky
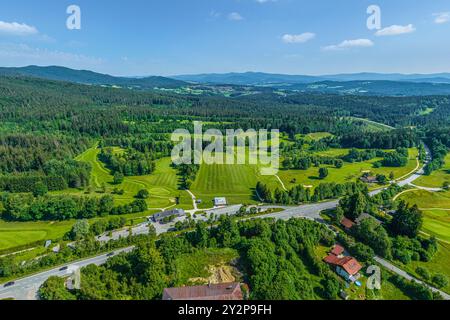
167	37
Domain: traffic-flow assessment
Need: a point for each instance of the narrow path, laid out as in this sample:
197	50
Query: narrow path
194	201
281	182
426	188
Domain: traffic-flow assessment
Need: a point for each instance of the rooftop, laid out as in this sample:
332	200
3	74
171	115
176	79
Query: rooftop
223	291
347	223
337	250
349	264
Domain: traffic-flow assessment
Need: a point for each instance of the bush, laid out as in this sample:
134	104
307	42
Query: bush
440	280
143	194
424	273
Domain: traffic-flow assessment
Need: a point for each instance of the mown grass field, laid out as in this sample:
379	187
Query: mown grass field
162	183
437	223
437	178
427	200
235	182
17	234
349	172
436	210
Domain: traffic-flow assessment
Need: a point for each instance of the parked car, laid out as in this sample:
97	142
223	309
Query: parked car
63	268
110	254
9	284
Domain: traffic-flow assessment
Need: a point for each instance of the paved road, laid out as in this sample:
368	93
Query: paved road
407	276
26	288
307	211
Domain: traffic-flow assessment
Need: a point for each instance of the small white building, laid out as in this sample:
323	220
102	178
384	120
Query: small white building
220	202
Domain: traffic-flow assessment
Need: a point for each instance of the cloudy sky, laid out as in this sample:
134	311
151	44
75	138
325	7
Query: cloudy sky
167	37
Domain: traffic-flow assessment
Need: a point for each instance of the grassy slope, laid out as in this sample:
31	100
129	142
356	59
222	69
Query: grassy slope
162	184
437	178
16	234
436	209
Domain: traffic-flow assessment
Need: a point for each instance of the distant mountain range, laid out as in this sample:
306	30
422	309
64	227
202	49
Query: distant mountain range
254	82
269	79
92	78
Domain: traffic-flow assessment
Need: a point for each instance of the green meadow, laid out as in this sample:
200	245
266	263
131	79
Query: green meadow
236	182
349	172
437	178
18	234
436	210
162	183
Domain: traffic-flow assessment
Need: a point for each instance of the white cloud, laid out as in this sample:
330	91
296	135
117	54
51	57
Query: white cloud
346	44
17	29
298	38
235	16
214	14
441	17
395	30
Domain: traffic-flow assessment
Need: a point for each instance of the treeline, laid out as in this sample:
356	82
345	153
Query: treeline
63	207
188	173
299	194
306	161
393	139
130	163
156	147
438	152
31	152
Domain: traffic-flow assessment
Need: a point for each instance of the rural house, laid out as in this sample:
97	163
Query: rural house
347	267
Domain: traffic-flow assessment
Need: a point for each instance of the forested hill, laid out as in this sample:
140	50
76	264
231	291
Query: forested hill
90	77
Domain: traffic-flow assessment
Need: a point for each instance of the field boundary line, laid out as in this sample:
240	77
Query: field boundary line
403	192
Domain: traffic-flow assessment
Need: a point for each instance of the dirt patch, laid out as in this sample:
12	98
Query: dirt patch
219	274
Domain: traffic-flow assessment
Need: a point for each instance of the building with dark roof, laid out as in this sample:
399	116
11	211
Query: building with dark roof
158	217
222	291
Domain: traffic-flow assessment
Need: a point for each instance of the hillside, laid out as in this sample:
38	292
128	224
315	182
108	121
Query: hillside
90	77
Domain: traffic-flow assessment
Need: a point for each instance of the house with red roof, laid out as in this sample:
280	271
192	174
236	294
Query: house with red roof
347	223
338	250
346	266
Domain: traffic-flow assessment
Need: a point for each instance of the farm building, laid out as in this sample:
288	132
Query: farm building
219	202
158	217
223	291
